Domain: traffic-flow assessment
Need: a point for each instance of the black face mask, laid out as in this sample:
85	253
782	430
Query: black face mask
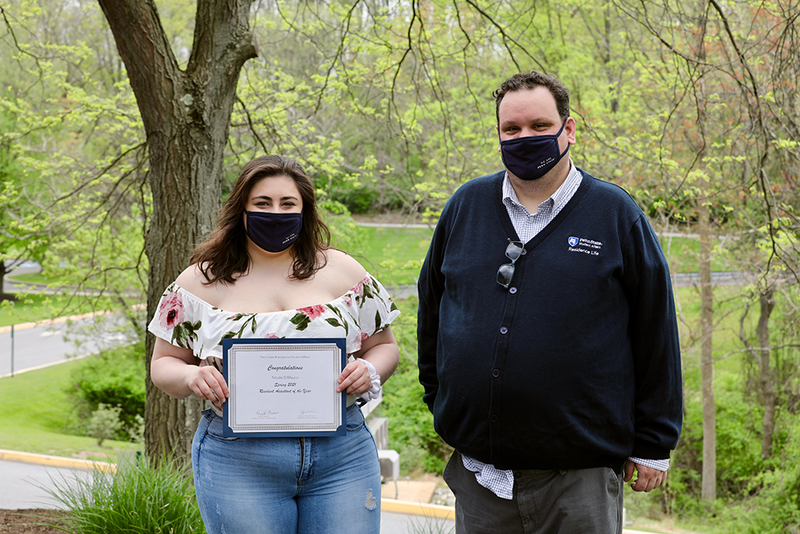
530	158
273	232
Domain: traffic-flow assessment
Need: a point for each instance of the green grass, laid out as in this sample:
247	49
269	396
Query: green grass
394	255
34	278
33	307
728	307
683	254
37	413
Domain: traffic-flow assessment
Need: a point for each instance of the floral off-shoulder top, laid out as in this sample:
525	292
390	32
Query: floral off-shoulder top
187	321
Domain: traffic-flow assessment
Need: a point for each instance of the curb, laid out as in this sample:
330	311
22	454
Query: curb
417	508
56	461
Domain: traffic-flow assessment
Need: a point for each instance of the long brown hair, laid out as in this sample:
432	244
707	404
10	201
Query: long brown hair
223	256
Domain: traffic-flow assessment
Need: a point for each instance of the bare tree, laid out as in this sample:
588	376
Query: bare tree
761	354
186	115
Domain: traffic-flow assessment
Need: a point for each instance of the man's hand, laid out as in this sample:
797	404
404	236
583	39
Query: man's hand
647	478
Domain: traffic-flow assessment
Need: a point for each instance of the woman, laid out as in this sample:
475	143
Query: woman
267	272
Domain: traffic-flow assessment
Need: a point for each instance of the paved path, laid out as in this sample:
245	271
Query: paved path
24	485
35	345
10	286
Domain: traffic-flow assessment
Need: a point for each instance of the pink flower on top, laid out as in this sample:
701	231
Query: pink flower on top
359	288
312	312
170	311
347	300
271	336
359	340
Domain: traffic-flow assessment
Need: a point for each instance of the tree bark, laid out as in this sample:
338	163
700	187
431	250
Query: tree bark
767	302
709	483
3	272
186	115
3	280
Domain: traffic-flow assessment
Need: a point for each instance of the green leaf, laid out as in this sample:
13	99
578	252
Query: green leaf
177	333
301	321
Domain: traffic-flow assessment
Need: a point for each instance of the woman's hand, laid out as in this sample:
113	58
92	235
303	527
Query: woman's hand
208	383
380	349
178	373
354	379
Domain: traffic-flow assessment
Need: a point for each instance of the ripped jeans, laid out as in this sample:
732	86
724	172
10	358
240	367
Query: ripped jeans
287	485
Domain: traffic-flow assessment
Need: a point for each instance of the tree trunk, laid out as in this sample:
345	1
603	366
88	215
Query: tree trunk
709	483
186	115
767	302
3	272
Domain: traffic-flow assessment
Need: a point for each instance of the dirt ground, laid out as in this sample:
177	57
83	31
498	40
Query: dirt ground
32	521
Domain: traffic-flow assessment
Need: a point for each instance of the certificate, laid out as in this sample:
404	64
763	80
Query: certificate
283	387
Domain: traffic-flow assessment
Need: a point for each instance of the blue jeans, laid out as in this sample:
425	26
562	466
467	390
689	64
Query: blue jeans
287	485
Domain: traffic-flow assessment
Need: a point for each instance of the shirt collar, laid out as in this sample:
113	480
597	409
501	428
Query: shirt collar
556	199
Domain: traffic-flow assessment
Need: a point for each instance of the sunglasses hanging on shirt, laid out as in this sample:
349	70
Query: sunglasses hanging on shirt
505	273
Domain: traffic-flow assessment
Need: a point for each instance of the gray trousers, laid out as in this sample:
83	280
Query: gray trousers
579	501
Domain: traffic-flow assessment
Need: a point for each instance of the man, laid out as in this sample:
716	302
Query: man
548	340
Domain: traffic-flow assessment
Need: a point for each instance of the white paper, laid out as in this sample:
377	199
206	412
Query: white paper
284	387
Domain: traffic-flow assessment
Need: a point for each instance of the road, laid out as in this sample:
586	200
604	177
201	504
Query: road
31	346
28	485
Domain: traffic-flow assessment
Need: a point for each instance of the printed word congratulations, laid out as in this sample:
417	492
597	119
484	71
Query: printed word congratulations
284	368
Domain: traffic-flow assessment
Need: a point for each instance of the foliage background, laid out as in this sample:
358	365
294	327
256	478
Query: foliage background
691	106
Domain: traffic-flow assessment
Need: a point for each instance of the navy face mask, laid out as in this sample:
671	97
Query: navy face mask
530	158
273	232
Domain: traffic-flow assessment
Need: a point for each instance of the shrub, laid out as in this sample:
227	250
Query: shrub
775	504
357	197
345	234
139	498
411	430
738	443
115	378
105	423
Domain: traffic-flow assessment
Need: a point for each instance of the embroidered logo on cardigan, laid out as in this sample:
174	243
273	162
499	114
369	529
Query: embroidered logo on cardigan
586	246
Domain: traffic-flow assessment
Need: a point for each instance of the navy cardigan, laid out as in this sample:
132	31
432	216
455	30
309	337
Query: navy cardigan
577	363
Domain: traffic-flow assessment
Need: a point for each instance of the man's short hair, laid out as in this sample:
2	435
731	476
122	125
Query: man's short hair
532	80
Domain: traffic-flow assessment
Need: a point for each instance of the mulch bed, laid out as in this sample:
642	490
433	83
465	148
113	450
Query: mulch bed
30	521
